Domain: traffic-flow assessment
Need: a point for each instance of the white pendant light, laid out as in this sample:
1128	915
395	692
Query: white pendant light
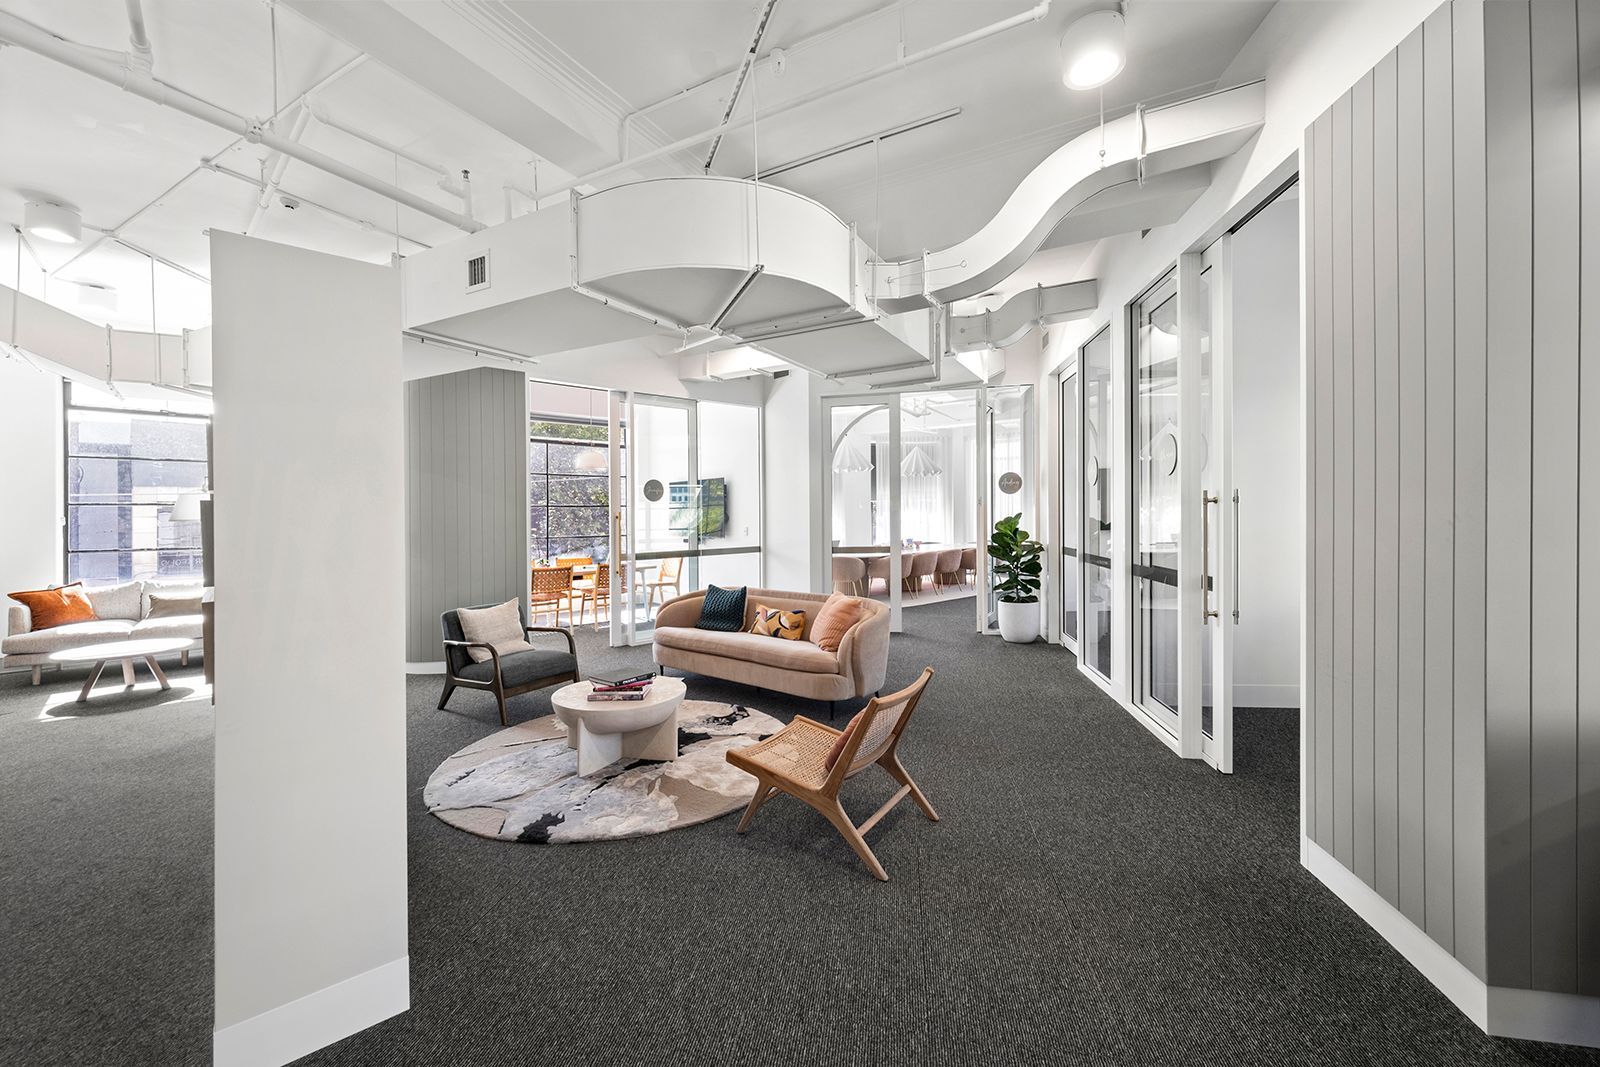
849	459
52	222
918	464
1094	50
590	459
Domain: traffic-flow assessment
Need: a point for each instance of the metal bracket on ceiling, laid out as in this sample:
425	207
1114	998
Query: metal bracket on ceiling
738	294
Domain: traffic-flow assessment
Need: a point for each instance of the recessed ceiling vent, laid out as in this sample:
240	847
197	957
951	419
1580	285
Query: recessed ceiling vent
478	272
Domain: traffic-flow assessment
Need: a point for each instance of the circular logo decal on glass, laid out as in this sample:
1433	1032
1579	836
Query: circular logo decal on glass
1010	482
654	490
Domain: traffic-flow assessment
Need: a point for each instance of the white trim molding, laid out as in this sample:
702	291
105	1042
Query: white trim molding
1525	1014
316	1020
425	668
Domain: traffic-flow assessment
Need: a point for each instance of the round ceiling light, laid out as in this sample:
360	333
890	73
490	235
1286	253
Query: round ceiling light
1093	50
52	222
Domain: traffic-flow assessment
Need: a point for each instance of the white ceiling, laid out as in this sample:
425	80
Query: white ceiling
493	86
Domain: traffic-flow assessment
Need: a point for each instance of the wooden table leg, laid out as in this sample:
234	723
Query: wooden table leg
155	669
94	676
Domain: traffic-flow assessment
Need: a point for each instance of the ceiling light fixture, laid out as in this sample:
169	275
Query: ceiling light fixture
52	222
1094	50
94	296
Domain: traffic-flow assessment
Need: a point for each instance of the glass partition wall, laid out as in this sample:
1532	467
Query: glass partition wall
1157	505
1069	508
1095	444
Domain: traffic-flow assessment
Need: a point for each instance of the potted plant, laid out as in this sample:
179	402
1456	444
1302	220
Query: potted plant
1016	569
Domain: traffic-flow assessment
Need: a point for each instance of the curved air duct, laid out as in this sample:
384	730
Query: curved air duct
719	262
1042	305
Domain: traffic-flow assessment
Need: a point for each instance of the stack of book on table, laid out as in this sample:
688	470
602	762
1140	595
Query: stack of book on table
620	686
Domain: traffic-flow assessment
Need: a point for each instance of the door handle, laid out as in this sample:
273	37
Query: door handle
1236	557
1206	500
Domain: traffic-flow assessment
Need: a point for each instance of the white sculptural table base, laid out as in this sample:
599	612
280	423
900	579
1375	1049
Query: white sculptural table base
604	732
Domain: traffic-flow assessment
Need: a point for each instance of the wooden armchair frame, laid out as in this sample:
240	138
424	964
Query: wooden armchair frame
794	759
497	685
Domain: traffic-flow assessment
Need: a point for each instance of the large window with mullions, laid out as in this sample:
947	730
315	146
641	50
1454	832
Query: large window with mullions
568	501
124	471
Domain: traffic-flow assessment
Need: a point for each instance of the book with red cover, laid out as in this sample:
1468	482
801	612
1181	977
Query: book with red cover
637	694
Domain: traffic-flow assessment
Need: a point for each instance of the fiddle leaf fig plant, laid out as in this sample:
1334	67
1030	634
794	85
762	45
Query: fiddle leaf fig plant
1016	561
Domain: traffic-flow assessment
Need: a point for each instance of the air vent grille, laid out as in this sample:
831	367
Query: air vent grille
478	272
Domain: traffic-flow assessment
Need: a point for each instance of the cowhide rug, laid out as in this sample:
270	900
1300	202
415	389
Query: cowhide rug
522	783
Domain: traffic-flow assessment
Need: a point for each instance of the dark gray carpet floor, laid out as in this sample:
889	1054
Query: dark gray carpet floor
1087	898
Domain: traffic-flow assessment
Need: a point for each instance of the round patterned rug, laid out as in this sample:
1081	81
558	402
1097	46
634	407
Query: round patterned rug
522	784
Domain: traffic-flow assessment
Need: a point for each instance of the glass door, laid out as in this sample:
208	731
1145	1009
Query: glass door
865	554
1157	502
665	512
1096	427
1220	499
1008	453
1069	508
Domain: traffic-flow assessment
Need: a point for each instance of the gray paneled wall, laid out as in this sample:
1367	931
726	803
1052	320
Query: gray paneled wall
466	498
1453	306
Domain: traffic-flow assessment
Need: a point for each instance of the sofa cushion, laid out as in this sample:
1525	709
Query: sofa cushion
167	606
500	626
751	648
776	622
722	610
71	635
57	606
189	626
520	668
835	619
168	587
117	601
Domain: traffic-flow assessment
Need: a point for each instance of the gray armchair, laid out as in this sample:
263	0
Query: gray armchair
504	676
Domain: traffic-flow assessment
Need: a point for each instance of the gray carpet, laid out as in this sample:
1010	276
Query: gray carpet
1088	898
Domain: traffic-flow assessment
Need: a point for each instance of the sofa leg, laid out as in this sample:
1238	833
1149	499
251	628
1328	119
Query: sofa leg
444	698
833	709
37	670
183	658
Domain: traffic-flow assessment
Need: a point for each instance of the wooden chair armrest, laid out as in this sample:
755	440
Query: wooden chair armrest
564	631
493	654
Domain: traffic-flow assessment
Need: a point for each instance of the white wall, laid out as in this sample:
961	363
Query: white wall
311	808
1266	457
792	529
30	476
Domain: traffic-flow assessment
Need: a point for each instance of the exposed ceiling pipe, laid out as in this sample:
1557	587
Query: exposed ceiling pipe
739	82
320	113
276	165
859	142
1033	14
332	77
26	35
141	55
145	252
624	135
360	223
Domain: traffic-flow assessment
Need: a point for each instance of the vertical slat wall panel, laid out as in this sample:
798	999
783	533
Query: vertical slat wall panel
1413	488
1343	489
467	528
1323	606
1471	399
1555	483
1438	612
1362	339
1508	134
1589	504
1386	479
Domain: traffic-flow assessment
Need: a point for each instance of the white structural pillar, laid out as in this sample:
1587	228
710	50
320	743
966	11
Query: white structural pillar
310	686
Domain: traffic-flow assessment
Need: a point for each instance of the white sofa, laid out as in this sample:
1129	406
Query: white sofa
121	613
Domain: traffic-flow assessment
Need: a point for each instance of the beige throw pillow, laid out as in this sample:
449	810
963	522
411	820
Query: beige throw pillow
168	607
500	626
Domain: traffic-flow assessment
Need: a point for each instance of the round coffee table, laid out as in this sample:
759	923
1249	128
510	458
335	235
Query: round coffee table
126	651
606	731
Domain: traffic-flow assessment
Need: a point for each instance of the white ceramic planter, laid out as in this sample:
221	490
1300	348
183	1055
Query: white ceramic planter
1019	623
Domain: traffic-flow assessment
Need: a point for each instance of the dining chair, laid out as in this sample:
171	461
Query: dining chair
922	566
811	762
947	568
597	590
849	571
670	576
551	588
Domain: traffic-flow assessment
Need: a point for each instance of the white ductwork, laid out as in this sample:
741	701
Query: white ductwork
1043	305
128	76
1159	142
80	350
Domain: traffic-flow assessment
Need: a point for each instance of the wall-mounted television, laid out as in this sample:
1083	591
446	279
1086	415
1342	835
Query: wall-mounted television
701	508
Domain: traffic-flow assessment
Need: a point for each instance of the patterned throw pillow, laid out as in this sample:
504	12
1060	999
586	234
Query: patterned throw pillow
722	609
775	622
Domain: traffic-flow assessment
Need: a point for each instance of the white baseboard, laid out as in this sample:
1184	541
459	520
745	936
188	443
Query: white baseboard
1527	1014
316	1020
1265	695
425	668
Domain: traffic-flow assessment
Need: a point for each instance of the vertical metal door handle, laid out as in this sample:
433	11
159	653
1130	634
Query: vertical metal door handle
1206	500
1236	557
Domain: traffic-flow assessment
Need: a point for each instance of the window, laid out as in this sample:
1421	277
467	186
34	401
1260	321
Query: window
124	471
569	505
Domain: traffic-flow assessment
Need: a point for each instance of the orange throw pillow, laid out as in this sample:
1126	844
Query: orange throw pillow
844	739
56	607
838	614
